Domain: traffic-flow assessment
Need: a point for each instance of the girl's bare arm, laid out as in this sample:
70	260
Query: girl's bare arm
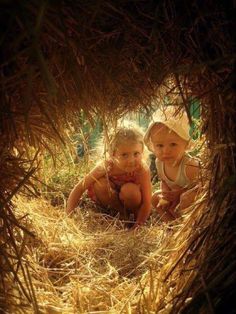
78	190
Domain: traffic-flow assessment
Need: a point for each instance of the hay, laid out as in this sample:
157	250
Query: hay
89	263
60	60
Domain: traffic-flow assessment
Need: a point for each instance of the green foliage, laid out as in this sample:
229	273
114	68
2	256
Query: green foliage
59	176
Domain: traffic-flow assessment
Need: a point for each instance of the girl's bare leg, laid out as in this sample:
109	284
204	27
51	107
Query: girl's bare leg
107	196
130	196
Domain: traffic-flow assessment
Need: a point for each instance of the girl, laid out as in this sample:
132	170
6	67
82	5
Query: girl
122	182
168	138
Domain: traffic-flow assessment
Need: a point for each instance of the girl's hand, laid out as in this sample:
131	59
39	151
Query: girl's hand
135	227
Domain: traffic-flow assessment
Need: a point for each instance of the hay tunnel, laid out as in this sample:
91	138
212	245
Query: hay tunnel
61	59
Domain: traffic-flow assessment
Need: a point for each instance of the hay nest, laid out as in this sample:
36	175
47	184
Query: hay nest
60	60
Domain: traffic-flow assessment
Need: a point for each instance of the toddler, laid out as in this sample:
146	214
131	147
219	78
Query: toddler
122	182
168	138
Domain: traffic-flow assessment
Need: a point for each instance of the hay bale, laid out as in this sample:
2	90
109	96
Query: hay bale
58	58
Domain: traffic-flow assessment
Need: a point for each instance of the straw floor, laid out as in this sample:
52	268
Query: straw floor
90	263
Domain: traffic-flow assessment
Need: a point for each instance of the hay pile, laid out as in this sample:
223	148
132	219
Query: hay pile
61	60
89	263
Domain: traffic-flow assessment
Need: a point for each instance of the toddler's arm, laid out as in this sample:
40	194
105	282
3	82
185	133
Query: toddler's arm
188	197
193	170
78	190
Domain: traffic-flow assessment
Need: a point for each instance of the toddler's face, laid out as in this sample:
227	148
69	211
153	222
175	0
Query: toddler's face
128	156
168	146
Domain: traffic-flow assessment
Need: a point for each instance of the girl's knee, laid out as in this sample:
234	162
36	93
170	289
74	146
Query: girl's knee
130	194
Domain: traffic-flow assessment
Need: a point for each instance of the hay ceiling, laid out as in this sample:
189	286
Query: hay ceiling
60	57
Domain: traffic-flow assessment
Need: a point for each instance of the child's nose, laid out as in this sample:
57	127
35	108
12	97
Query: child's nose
166	150
132	158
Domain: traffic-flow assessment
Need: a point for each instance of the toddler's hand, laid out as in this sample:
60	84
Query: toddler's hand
163	205
163	202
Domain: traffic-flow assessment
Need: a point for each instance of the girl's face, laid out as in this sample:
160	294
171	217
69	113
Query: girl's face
168	146
128	156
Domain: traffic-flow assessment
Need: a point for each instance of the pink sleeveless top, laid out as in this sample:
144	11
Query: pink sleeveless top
120	179
117	180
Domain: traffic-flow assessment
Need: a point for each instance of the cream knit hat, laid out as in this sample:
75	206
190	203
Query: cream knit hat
177	123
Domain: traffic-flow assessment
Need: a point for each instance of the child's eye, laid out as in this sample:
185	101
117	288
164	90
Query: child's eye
124	155
159	145
137	154
173	144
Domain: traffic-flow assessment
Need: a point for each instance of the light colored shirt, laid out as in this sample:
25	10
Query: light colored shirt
181	180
